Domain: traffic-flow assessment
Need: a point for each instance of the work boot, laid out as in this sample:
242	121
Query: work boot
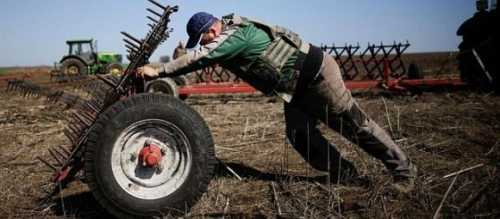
404	179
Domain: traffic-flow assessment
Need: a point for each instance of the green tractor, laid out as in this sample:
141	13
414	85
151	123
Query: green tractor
83	59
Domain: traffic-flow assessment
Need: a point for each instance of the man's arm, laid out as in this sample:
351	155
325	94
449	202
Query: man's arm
226	46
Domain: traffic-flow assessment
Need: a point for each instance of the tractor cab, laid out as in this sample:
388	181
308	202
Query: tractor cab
82	48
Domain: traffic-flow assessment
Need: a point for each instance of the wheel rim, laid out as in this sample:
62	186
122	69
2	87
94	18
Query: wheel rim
73	70
145	182
115	71
160	88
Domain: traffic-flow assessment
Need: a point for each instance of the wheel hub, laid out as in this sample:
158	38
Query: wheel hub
150	155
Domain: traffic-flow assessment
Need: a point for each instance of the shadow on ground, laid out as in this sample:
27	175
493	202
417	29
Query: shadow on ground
82	205
246	172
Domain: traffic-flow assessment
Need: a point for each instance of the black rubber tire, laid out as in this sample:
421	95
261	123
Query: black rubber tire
414	72
114	69
109	126
72	63
164	86
181	81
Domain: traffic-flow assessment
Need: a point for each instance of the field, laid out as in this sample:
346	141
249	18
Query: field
445	132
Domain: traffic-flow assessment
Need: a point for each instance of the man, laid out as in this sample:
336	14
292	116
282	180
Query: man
276	61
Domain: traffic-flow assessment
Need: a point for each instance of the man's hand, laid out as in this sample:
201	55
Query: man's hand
147	71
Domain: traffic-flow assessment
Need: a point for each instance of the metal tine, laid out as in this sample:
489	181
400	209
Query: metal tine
70	136
128	42
131	48
152	19
90	107
154	12
88	112
74	120
83	119
94	105
54	97
9	85
131	53
88	116
158	4
58	160
132	38
63	156
74	128
65	150
47	163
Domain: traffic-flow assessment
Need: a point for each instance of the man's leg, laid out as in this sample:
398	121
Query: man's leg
328	99
305	137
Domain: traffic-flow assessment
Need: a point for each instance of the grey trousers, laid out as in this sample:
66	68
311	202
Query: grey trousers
326	99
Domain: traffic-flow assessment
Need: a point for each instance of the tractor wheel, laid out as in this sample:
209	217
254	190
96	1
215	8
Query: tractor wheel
74	68
115	69
164	86
149	156
181	81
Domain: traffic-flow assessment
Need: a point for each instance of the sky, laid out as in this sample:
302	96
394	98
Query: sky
33	32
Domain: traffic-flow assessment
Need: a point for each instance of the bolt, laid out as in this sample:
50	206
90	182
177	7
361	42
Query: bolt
133	157
163	151
159	169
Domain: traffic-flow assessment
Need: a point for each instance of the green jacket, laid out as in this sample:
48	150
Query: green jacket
238	49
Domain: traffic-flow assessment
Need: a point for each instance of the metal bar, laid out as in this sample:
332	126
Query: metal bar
158	4
84	120
154	12
66	151
47	163
131	37
214	88
131	44
152	19
483	67
58	160
65	157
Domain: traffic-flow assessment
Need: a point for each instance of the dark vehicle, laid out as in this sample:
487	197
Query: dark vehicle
478	60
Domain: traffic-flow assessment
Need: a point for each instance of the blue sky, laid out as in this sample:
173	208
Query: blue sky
33	32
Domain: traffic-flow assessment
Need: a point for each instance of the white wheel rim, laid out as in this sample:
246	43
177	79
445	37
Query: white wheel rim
151	183
159	88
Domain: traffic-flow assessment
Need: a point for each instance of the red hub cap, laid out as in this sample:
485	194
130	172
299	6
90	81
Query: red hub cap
150	155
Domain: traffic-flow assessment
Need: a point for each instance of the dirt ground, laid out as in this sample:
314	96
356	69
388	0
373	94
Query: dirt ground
445	132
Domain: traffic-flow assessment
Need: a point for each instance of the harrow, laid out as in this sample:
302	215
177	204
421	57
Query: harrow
30	89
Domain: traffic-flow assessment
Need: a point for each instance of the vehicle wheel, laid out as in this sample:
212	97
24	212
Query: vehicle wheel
114	69
124	182
74	68
414	72
181	81
164	86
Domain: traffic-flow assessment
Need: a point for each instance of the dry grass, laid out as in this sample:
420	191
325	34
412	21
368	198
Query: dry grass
443	133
